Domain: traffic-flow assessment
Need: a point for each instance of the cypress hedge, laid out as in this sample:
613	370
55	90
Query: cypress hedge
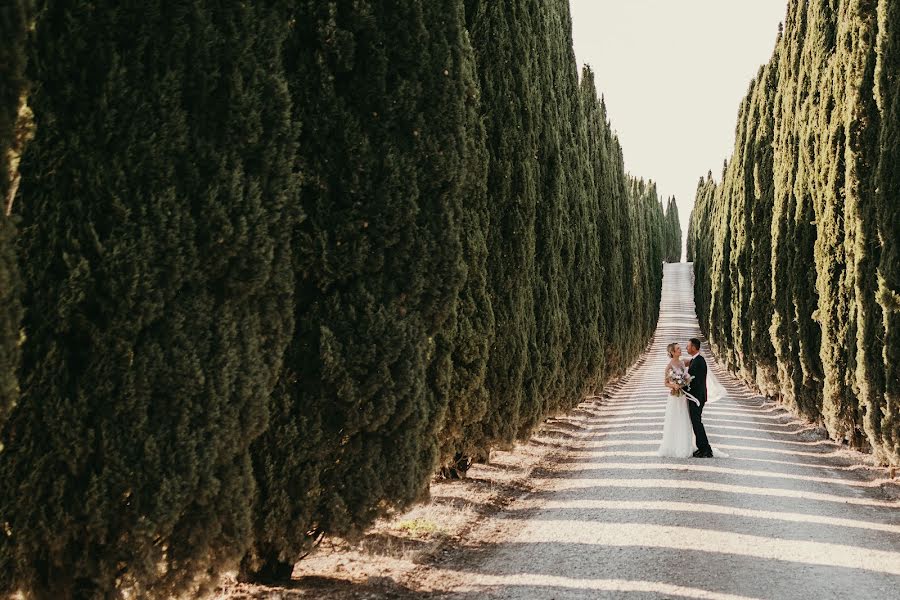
159	200
803	226
285	261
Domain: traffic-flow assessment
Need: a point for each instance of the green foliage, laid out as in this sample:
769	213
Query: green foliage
610	268
13	27
369	373
468	398
883	225
797	239
502	39
158	206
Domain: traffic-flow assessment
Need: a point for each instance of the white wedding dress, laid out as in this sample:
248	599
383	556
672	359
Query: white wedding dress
678	433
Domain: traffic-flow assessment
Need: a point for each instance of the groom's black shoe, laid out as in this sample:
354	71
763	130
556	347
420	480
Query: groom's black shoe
698	453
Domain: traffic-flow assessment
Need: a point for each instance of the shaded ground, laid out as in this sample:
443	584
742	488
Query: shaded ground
586	509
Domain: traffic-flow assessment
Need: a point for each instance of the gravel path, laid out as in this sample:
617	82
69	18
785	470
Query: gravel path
788	515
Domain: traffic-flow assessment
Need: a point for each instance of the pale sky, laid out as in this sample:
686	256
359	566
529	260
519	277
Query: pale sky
673	73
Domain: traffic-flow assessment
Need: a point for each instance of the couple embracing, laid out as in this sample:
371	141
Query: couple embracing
687	379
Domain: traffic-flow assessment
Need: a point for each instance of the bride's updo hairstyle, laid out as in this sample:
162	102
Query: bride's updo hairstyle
671	349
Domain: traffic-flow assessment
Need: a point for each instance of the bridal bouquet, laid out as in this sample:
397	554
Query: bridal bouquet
681	379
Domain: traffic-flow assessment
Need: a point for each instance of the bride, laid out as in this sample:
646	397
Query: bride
678	434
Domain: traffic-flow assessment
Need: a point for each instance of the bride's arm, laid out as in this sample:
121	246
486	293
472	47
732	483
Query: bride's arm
666	382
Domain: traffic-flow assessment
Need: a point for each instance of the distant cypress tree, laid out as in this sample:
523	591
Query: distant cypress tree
655	265
155	247
738	188
698	248
648	255
13	27
389	151
672	232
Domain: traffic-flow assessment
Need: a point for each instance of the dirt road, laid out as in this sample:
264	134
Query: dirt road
788	515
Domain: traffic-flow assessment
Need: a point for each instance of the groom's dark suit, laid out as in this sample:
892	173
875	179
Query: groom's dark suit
697	389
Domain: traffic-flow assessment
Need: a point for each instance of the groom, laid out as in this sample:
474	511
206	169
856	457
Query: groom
697	388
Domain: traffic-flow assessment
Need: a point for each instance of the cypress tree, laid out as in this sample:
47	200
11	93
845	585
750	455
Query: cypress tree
850	142
883	414
13	26
469	398
739	188
783	329
502	37
624	343
550	284
760	309
672	232
700	238
803	279
584	362
720	259
389	150
604	192
155	247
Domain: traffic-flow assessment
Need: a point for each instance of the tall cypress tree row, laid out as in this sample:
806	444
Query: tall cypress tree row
156	250
389	150
803	205
13	26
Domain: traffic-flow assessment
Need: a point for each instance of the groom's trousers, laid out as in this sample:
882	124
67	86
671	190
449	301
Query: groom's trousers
697	423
